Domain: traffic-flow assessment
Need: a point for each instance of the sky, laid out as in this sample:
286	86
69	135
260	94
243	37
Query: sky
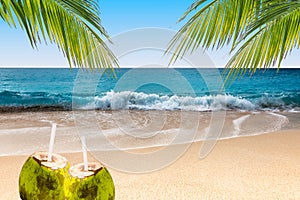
117	16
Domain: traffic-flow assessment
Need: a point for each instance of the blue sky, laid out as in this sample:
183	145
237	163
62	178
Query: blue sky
117	16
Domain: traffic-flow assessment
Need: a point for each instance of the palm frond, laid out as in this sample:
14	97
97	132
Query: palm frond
260	32
217	23
74	25
269	39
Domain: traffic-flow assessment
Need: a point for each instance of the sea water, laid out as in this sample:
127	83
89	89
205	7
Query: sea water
137	108
42	89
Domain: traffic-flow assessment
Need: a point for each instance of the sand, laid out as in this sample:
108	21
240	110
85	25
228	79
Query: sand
257	167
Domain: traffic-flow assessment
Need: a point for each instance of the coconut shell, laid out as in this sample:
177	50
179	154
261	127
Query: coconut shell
98	185
39	182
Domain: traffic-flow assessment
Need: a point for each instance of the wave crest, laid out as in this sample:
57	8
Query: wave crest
39	101
141	101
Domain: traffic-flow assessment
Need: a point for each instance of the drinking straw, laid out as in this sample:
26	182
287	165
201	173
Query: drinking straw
51	144
84	151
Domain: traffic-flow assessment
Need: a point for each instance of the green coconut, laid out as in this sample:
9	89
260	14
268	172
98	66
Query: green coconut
94	184
43	180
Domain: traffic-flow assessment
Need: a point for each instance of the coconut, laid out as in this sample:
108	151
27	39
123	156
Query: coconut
43	179
95	183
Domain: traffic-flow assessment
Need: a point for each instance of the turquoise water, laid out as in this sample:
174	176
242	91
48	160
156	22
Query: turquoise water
52	89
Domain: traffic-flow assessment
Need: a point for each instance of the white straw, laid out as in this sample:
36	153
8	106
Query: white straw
51	144
84	151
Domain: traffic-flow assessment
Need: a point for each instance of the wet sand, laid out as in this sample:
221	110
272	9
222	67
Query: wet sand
27	132
259	167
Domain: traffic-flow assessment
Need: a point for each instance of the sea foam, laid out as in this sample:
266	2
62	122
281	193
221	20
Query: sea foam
142	101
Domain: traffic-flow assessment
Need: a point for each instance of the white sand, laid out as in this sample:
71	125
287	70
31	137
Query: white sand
259	167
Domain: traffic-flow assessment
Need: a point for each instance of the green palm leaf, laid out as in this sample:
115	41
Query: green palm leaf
214	25
74	25
260	32
270	37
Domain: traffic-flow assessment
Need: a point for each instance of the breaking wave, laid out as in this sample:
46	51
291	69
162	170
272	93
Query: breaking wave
43	101
142	101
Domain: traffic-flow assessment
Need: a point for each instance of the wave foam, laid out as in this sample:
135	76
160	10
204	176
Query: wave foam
43	101
141	101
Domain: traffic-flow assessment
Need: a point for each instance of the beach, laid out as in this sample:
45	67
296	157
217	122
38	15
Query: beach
196	109
186	141
259	167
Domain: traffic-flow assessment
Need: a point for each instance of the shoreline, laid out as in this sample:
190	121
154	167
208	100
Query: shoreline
259	167
131	129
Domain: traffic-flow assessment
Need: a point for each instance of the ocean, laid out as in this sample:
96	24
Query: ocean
52	89
138	108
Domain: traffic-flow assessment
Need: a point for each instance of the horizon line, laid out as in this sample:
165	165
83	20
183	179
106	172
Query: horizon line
142	67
